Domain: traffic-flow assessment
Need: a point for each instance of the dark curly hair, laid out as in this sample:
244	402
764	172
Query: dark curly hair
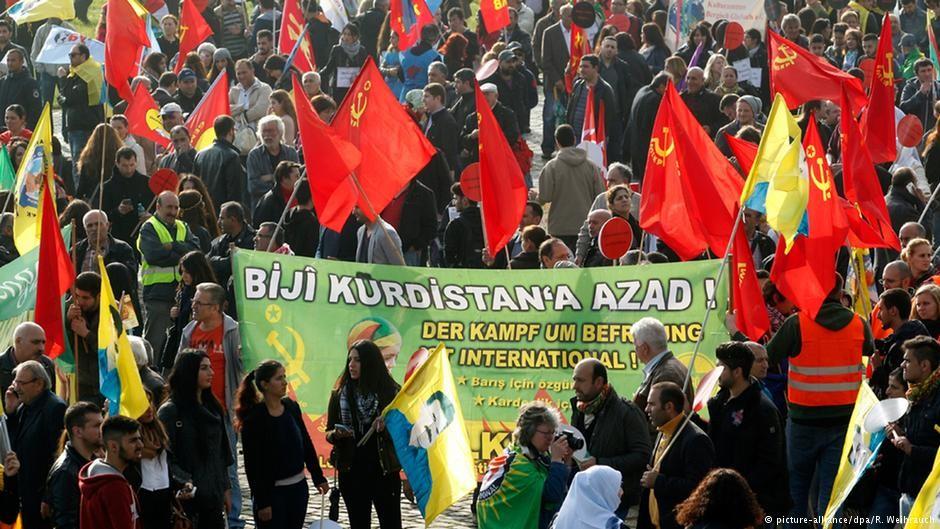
723	497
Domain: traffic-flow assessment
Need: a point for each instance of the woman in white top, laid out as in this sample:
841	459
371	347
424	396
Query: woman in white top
155	494
283	107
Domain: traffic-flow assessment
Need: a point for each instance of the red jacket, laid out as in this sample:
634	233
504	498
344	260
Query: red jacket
108	501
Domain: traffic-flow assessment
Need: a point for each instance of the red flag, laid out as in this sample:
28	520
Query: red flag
593	129
143	117
124	42
193	31
214	104
690	190
407	17
862	189
330	160
806	274
292	28
55	278
579	48
801	76
750	313
393	148
744	151
878	124
502	187
495	14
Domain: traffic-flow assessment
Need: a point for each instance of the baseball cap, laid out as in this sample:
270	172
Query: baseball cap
171	108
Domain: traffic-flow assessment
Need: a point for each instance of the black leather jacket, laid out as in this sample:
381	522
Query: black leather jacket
62	493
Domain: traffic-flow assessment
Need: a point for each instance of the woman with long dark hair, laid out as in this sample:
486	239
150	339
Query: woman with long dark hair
654	49
276	448
194	269
100	151
723	499
193	213
199	453
191	181
368	474
155	493
700	36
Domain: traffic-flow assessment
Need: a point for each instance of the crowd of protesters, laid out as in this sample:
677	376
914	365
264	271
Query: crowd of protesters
775	430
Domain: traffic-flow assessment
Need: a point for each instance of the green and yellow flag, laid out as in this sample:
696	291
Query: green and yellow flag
36	10
427	427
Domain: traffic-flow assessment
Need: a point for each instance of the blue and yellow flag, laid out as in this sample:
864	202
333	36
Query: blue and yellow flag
35	10
858	452
35	171
925	512
426	425
119	379
777	184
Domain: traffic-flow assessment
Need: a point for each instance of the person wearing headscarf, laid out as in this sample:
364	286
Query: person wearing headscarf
592	499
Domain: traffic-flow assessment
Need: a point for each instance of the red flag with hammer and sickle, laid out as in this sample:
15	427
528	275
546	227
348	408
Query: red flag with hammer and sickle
806	273
801	76
750	312
690	190
193	31
878	123
292	28
579	48
393	148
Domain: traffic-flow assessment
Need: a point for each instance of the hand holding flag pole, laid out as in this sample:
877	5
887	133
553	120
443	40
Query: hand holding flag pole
280	221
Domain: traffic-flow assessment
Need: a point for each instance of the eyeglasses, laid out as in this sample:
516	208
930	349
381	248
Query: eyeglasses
545	432
24	382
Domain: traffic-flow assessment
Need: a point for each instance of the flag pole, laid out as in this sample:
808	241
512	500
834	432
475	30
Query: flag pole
280	221
933	195
376	215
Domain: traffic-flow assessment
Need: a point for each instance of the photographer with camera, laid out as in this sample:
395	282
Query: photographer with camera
614	429
527	483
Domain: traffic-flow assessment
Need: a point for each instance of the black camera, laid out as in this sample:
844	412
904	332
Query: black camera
574	443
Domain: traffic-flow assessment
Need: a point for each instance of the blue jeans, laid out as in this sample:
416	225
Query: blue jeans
77	140
812	450
884	505
413	258
47	84
548	120
235	516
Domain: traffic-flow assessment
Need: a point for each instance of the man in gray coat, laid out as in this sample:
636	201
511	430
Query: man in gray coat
377	241
554	60
659	364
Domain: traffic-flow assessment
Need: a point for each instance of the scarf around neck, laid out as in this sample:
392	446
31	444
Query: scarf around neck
351	49
90	72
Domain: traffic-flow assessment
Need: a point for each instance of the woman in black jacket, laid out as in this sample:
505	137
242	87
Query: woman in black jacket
346	58
276	447
199	453
368	474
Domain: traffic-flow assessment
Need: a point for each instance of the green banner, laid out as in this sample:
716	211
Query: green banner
513	336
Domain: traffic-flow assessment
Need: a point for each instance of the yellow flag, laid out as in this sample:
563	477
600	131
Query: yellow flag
35	10
858	452
925	512
426	425
35	171
119	378
777	184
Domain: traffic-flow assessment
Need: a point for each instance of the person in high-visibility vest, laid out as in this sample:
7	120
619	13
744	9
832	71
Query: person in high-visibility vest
162	242
825	356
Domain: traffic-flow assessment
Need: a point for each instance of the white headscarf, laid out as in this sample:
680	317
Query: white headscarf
592	500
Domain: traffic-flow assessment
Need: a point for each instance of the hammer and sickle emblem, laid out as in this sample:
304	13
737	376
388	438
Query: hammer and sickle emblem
153	120
742	271
885	72
820	179
416	9
294	365
360	104
787	57
182	32
662	151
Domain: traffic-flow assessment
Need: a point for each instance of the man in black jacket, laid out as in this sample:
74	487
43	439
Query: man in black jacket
604	104
370	24
236	233
466	105
920	93
511	86
321	33
506	118
703	103
19	88
301	226
746	431
642	117
676	473
99	241
273	203
916	435
35	425
127	195
463	238
83	427
614	429
189	95
220	165
413	214
893	311
441	128
80	114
